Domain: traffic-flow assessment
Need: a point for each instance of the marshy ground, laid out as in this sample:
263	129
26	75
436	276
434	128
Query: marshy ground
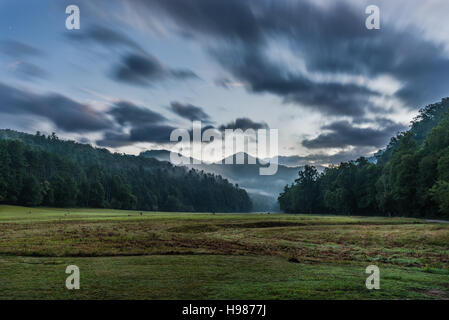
153	255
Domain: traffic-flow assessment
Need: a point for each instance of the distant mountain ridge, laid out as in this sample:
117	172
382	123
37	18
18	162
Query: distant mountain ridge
263	190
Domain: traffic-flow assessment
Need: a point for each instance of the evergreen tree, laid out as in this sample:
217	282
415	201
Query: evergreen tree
96	195
31	194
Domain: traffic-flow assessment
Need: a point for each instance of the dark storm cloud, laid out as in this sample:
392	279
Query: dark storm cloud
104	36
189	111
329	38
149	126
137	66
343	134
262	75
203	129
231	19
241	31
138	69
152	133
127	113
145	126
148	133
244	124
114	139
65	113
144	69
16	49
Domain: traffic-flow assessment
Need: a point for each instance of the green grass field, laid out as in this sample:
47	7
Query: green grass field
154	255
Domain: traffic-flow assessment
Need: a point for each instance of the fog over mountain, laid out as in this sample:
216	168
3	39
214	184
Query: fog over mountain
263	189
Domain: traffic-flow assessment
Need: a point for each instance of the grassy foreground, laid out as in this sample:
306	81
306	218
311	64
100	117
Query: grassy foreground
152	255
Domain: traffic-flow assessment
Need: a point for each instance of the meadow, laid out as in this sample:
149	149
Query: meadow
157	255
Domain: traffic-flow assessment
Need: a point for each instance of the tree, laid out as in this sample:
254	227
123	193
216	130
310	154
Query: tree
31	194
440	193
96	195
48	194
338	200
4	169
65	191
3	190
304	195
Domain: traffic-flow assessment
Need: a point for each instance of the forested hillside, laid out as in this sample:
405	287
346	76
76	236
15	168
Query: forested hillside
410	178
44	170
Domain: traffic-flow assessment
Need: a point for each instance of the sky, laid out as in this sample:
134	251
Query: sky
138	69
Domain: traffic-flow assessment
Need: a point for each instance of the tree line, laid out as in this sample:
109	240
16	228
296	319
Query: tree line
39	170
409	178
